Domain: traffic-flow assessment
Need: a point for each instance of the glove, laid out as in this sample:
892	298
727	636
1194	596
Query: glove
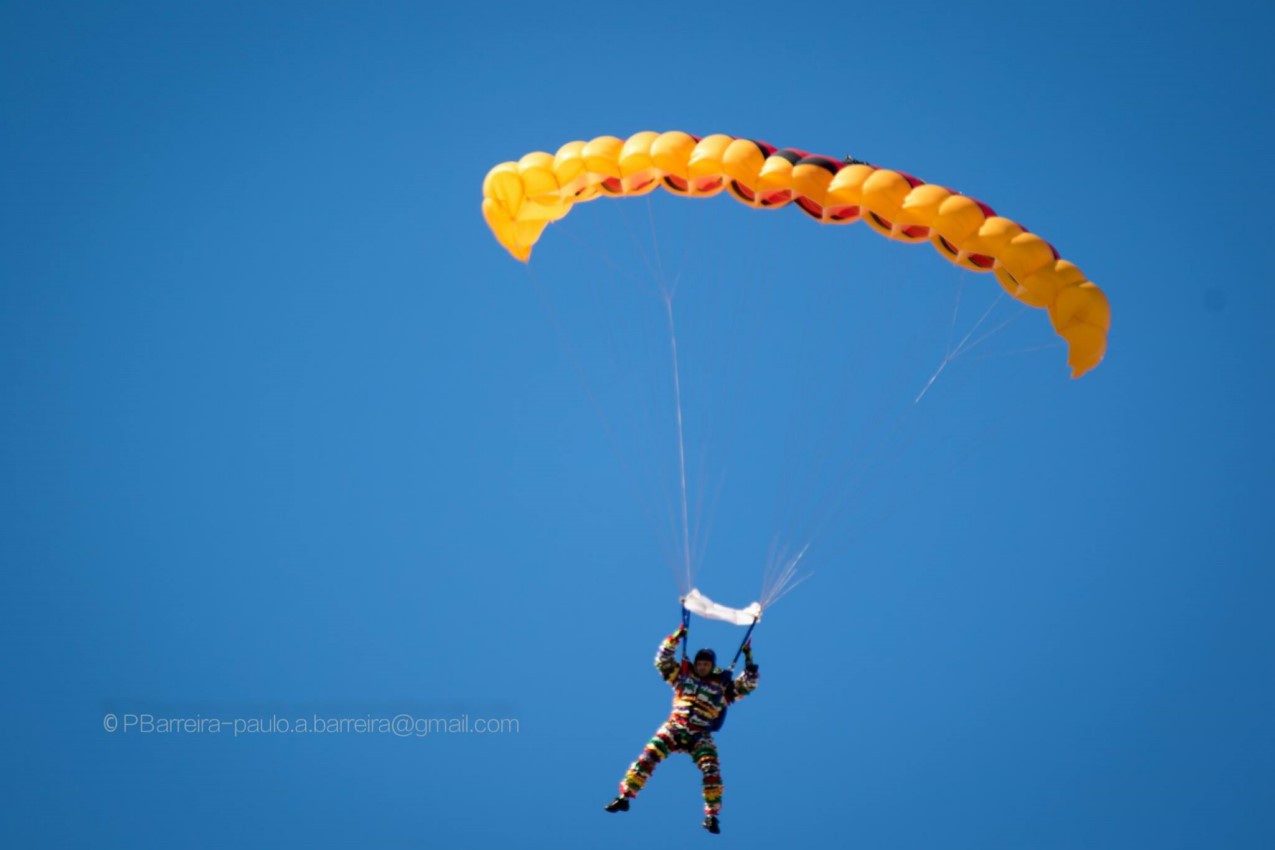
748	652
679	634
750	668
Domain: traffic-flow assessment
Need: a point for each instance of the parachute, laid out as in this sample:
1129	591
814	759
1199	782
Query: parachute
521	198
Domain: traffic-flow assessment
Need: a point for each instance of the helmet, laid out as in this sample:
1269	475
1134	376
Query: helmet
706	655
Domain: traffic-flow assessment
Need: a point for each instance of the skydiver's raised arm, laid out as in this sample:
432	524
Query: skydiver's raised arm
666	657
746	682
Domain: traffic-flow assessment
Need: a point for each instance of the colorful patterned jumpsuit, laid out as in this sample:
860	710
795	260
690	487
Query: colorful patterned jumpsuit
696	704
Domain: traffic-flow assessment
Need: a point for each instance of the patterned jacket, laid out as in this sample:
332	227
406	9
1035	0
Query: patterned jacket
697	702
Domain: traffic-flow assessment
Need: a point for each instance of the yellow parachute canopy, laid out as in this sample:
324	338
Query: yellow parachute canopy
521	198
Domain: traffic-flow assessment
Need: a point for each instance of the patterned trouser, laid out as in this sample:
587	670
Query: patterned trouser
676	738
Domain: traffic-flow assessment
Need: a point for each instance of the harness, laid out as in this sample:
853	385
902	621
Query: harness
727	679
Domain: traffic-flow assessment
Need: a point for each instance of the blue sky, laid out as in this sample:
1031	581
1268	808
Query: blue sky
285	433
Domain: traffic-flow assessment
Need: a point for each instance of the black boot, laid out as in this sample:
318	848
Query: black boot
711	824
619	804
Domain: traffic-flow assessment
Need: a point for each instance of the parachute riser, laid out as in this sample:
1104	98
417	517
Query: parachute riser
743	643
686	630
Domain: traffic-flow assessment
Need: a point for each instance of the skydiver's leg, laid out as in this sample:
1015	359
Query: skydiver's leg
655	751
704	751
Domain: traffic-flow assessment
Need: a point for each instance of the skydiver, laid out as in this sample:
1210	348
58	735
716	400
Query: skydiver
701	693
